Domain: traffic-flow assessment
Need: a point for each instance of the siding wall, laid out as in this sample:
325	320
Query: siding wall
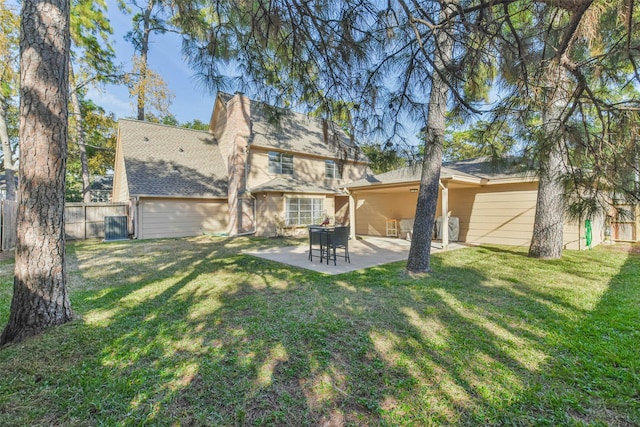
120	192
342	210
305	168
270	206
217	127
497	214
374	209
181	217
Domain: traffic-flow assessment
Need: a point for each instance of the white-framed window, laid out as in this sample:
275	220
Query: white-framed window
280	163
332	169
304	211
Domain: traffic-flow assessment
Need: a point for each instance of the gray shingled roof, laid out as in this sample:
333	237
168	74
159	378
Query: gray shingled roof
288	130
466	170
484	167
170	161
292	185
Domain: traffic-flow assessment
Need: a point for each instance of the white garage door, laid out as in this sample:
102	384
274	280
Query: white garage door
180	218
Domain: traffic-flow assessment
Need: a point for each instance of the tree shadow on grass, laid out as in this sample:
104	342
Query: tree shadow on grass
592	376
219	338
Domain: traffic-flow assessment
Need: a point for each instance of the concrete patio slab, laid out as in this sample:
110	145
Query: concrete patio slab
364	252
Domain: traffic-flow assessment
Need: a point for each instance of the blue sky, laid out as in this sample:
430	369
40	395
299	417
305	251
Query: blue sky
192	100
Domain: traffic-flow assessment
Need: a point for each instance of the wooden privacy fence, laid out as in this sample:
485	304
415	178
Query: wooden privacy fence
8	217
86	220
82	220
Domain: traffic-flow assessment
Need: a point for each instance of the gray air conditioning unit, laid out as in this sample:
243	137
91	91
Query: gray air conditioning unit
115	228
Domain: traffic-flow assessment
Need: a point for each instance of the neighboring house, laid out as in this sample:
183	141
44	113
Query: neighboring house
490	204
101	188
257	168
3	185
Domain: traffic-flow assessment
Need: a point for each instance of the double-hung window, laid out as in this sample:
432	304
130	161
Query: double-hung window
304	211
280	163
332	169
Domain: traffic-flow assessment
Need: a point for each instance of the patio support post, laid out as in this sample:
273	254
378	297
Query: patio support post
445	217
352	216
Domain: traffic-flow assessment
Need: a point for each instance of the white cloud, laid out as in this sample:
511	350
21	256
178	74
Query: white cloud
113	99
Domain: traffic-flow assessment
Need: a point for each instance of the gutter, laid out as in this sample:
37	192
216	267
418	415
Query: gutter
136	219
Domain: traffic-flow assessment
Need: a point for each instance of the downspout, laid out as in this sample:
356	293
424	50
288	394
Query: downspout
136	217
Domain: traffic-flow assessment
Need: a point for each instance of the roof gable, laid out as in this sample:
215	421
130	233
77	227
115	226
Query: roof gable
168	161
285	130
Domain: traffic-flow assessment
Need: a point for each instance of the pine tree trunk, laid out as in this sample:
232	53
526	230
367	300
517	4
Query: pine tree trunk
40	297
547	239
144	51
9	171
420	252
77	113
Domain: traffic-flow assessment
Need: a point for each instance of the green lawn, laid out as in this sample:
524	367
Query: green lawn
192	332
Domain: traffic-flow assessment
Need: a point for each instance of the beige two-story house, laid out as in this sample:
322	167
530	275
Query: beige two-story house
257	169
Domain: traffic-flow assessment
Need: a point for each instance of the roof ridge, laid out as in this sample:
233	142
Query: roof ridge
142	122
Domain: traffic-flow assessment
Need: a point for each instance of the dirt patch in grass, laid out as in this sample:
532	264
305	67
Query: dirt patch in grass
598	412
630	248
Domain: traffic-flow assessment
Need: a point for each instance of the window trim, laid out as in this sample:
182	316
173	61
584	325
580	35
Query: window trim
332	166
315	211
277	165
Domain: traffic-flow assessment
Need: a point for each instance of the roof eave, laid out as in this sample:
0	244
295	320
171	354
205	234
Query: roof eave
166	196
513	180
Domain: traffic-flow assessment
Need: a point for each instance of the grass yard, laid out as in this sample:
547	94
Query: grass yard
191	332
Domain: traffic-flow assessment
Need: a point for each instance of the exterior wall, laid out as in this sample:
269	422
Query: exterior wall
180	217
374	209
497	214
305	168
342	210
120	191
217	127
269	206
271	209
505	214
575	233
598	225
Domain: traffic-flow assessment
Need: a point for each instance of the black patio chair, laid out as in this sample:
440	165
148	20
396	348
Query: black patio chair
316	238
338	239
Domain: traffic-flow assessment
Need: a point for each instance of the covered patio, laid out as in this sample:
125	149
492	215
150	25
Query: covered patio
482	202
364	252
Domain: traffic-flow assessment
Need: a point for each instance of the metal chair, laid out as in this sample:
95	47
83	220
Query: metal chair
338	239
316	239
